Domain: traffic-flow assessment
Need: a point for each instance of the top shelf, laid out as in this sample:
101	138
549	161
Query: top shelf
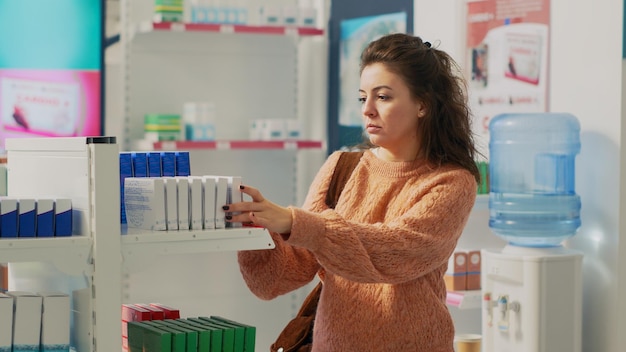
228	28
237	145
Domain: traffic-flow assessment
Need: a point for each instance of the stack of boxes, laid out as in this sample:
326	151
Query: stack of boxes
151	164
162	127
34	321
199	121
463	273
35	217
168	10
180	203
145	329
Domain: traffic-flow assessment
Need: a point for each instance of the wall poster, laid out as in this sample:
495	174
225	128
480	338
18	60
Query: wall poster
356	34
507	60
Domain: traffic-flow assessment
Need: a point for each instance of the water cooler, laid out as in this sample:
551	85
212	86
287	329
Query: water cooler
532	288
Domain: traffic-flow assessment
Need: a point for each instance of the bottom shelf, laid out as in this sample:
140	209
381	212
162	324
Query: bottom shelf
465	299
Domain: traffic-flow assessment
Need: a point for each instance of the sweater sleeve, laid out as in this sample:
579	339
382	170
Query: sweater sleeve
410	244
274	272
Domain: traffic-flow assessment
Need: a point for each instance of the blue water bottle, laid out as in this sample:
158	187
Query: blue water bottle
532	199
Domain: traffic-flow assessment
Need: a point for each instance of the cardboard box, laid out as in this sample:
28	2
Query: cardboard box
473	269
130	313
155	312
6	322
250	332
168	164
55	321
171	203
145	203
154	164
142	336
209	188
169	312
140	164
184	218
179	338
45	217
26	320
8	217
220	339
183	165
126	170
238	332
26	217
195	200
234	196
204	336
63	217
190	337
221	199
456	274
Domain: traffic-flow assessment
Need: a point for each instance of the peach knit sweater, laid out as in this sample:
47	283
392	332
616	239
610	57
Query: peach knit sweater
381	254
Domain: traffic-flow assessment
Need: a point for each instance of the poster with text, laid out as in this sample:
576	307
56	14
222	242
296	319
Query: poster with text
507	59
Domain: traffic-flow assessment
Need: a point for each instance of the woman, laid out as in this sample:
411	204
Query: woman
382	252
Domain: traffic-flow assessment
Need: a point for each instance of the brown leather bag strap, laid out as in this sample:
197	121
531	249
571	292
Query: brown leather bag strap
345	165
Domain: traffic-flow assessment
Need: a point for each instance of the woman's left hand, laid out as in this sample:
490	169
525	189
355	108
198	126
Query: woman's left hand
260	212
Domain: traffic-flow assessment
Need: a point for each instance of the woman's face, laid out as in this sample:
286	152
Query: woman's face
390	114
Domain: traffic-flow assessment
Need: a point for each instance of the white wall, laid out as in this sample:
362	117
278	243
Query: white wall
585	80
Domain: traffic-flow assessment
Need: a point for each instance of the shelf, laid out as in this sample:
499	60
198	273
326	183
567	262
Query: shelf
70	254
228	28
138	245
237	145
465	299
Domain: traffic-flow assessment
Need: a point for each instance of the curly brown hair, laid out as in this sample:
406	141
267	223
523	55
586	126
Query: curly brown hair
435	79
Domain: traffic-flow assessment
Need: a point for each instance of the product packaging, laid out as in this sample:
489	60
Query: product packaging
26	320
55	322
145	203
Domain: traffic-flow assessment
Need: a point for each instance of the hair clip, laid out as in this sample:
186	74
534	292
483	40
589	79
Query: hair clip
427	44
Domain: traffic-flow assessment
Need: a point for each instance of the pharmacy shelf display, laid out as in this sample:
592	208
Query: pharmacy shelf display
87	172
248	73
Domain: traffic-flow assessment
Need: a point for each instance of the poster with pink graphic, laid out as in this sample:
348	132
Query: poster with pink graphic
51	103
507	47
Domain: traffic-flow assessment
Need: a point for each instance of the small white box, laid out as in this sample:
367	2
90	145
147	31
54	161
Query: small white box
171	203
8	217
63	218
45	217
209	187
195	200
145	203
6	322
234	196
55	321
184	221
26	320
221	198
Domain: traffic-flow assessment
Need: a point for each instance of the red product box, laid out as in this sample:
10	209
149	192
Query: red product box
156	313
170	313
130	312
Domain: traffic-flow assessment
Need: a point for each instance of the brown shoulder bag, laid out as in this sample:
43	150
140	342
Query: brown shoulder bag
297	336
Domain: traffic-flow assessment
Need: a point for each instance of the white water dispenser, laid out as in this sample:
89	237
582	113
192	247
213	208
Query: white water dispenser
532	288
